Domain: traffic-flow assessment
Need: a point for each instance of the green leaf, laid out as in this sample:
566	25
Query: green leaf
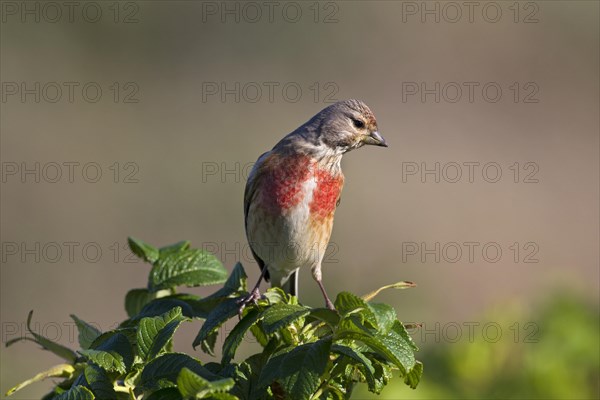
391	346
87	332
109	361
114	354
235	286
171	393
136	299
400	330
208	344
154	333
276	295
235	337
367	369
174	248
330	317
143	250
298	371
193	385
224	311
383	373
166	367
348	304
281	315
58	371
385	315
164	304
414	375
397	285
76	393
58	349
246	376
191	267
99	382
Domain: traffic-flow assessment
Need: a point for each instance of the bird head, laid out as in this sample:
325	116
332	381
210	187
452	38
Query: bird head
348	125
335	130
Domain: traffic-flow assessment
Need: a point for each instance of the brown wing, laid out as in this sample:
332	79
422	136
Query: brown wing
249	196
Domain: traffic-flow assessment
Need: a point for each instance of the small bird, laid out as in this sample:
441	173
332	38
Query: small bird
293	190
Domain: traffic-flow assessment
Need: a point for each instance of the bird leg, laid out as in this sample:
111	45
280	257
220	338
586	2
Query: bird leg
254	294
316	272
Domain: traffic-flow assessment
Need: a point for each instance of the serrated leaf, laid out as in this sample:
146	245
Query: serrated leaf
208	344
361	359
281	315
397	285
235	286
391	346
276	295
136	299
259	334
155	332
235	337
87	332
110	361
143	250
298	371
58	371
224	311
192	267
99	383
399	329
383	373
174	248
160	306
167	366
193	385
113	354
330	317
58	349
76	393
104	341
348	304
413	376
385	315
246	376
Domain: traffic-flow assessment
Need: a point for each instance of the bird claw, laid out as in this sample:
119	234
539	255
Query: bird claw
329	305
252	297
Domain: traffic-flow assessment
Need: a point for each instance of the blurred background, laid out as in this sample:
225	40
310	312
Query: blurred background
143	119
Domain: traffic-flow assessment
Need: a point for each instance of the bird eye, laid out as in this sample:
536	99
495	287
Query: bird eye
358	123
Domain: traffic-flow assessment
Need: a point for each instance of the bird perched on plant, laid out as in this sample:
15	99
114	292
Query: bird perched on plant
293	190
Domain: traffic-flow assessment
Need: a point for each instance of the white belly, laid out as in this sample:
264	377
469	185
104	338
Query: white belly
286	241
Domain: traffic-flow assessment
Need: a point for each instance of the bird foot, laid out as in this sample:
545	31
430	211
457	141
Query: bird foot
252	297
329	304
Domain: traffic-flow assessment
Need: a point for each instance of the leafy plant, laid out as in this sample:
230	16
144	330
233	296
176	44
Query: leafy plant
307	353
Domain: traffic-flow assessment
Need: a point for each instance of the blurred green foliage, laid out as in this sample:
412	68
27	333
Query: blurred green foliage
557	358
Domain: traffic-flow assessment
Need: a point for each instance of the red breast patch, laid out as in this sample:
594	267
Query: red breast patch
283	181
326	193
